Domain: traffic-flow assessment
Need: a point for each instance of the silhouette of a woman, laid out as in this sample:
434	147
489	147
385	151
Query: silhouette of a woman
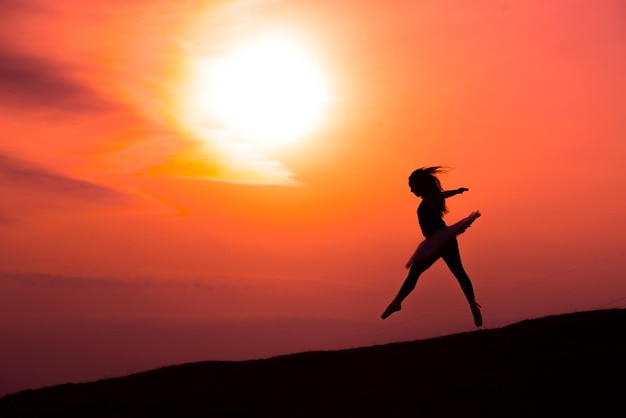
425	184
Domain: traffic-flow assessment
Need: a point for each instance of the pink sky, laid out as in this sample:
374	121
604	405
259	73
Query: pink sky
127	243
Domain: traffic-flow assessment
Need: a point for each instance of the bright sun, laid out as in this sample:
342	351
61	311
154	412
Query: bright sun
268	90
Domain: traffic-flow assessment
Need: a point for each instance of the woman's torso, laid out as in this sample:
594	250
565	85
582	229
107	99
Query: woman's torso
430	216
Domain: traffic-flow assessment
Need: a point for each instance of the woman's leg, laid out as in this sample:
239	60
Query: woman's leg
452	257
409	284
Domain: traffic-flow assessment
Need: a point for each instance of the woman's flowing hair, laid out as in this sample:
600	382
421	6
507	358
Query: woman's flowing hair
427	176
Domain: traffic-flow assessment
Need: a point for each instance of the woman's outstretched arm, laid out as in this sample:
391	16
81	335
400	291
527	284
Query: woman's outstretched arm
449	193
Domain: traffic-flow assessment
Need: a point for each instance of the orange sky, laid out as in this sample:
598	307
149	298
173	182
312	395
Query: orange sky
129	241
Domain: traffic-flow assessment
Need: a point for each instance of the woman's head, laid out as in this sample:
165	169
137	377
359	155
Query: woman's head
424	180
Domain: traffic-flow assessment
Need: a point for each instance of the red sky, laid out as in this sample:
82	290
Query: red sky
129	241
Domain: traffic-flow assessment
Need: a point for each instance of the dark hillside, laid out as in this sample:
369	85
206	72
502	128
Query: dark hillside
558	366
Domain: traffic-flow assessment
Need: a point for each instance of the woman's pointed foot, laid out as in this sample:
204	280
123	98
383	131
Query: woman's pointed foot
478	318
393	307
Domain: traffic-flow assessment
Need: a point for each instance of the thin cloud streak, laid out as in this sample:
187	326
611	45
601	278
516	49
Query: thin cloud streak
21	174
27	81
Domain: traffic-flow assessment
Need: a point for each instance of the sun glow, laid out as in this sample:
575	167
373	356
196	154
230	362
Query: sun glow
269	91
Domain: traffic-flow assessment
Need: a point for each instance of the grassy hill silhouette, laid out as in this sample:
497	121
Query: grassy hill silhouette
557	366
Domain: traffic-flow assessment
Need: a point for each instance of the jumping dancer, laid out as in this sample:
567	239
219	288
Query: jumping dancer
440	239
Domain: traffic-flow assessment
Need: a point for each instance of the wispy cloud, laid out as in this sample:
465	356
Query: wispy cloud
26	187
25	175
32	81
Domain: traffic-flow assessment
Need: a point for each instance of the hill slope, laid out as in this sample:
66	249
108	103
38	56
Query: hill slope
563	365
